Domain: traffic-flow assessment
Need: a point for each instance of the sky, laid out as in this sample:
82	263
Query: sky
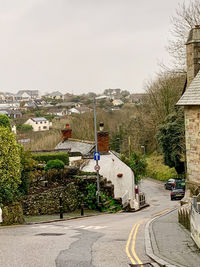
80	46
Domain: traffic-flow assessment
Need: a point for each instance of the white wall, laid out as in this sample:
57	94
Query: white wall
110	166
39	126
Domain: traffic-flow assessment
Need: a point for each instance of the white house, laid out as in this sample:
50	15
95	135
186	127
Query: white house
117	102
39	124
111	166
56	95
121	176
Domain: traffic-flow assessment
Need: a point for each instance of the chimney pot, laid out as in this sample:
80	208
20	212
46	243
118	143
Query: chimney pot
66	133
101	126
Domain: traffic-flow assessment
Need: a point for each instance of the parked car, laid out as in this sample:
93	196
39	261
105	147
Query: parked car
171	183
177	193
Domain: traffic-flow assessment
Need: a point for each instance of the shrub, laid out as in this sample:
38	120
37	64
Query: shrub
45	157
10	168
4	121
24	127
55	164
90	199
156	169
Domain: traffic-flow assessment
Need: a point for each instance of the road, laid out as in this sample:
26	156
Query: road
109	240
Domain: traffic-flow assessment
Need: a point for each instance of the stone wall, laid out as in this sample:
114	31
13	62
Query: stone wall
192	127
48	201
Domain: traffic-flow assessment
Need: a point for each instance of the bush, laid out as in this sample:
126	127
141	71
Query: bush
24	127
4	121
45	157
55	164
10	168
156	169
90	198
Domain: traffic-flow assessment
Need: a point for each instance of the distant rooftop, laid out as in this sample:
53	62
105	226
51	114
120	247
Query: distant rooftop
192	94
38	119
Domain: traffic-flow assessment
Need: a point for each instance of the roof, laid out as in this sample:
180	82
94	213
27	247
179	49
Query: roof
38	119
57	93
29	92
81	146
192	94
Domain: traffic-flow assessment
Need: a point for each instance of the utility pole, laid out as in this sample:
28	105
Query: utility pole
96	150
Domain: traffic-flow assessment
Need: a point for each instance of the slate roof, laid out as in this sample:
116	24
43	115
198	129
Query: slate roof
192	94
38	119
83	147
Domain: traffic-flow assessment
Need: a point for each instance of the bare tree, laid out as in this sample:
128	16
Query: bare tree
185	18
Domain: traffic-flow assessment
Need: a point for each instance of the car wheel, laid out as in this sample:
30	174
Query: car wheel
172	198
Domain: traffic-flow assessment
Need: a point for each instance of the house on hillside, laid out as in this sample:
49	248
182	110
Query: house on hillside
25	95
57	112
14	114
55	95
111	166
39	124
117	102
79	110
2	96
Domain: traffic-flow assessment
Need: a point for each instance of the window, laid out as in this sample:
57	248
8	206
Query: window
44	127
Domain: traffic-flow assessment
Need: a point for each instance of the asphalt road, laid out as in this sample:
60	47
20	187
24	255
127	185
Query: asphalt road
109	240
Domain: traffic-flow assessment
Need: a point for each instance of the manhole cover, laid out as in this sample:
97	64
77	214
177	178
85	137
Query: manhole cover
143	264
50	234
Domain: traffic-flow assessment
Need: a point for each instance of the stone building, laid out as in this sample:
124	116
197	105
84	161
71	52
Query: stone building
191	102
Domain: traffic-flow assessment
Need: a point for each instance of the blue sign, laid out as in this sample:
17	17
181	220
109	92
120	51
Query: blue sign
96	155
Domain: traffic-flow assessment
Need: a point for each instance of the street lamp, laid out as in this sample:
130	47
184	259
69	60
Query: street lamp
97	167
96	151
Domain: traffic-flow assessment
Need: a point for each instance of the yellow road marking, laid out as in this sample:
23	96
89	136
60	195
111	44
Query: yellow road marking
132	236
133	244
128	243
160	213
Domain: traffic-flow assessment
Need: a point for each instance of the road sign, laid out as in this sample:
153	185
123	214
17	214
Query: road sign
97	168
96	155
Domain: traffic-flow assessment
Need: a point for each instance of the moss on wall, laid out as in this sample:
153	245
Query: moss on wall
48	201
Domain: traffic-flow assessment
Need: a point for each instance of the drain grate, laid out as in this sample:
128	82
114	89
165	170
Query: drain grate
51	234
148	264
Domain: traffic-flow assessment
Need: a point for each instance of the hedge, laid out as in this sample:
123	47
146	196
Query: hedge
45	157
156	169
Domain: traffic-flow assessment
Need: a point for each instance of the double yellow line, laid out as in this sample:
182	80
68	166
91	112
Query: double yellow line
130	246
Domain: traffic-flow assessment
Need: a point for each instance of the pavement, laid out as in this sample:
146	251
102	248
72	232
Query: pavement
169	244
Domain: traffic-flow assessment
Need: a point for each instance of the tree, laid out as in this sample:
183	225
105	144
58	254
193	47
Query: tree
172	141
4	121
186	17
10	171
137	163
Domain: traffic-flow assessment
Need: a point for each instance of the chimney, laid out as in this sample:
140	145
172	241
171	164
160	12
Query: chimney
66	133
193	53
102	139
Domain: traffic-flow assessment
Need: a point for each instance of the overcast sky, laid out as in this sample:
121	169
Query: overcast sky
78	46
